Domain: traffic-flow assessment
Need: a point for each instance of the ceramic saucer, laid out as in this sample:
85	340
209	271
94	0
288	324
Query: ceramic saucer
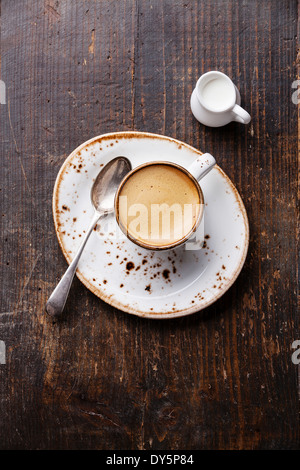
150	284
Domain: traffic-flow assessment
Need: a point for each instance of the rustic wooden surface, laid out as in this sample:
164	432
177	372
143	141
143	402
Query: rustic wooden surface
100	378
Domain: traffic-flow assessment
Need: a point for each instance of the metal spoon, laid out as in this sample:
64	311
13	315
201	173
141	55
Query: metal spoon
102	197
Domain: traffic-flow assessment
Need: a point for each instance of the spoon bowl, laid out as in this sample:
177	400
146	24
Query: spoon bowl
107	182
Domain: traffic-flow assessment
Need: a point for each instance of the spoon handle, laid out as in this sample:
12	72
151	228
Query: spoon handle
57	299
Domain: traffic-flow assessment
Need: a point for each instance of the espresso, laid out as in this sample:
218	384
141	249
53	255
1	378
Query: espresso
159	205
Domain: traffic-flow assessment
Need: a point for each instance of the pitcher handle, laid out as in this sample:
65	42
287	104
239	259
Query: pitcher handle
240	115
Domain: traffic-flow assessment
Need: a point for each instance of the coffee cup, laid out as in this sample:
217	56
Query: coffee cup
160	204
216	101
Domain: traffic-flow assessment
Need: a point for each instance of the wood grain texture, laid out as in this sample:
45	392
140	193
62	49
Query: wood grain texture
100	378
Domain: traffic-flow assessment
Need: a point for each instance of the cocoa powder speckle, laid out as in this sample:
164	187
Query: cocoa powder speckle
166	273
129	265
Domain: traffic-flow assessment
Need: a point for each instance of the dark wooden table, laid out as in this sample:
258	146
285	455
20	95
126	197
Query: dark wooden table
101	378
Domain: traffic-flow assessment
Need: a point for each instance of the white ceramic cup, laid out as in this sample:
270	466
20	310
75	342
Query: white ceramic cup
216	101
196	171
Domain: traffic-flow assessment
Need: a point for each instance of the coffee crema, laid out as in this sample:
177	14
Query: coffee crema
159	205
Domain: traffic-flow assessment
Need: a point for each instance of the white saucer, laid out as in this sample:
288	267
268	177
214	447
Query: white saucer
149	284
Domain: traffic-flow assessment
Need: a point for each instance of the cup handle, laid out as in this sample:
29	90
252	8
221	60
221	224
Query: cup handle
240	115
202	165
